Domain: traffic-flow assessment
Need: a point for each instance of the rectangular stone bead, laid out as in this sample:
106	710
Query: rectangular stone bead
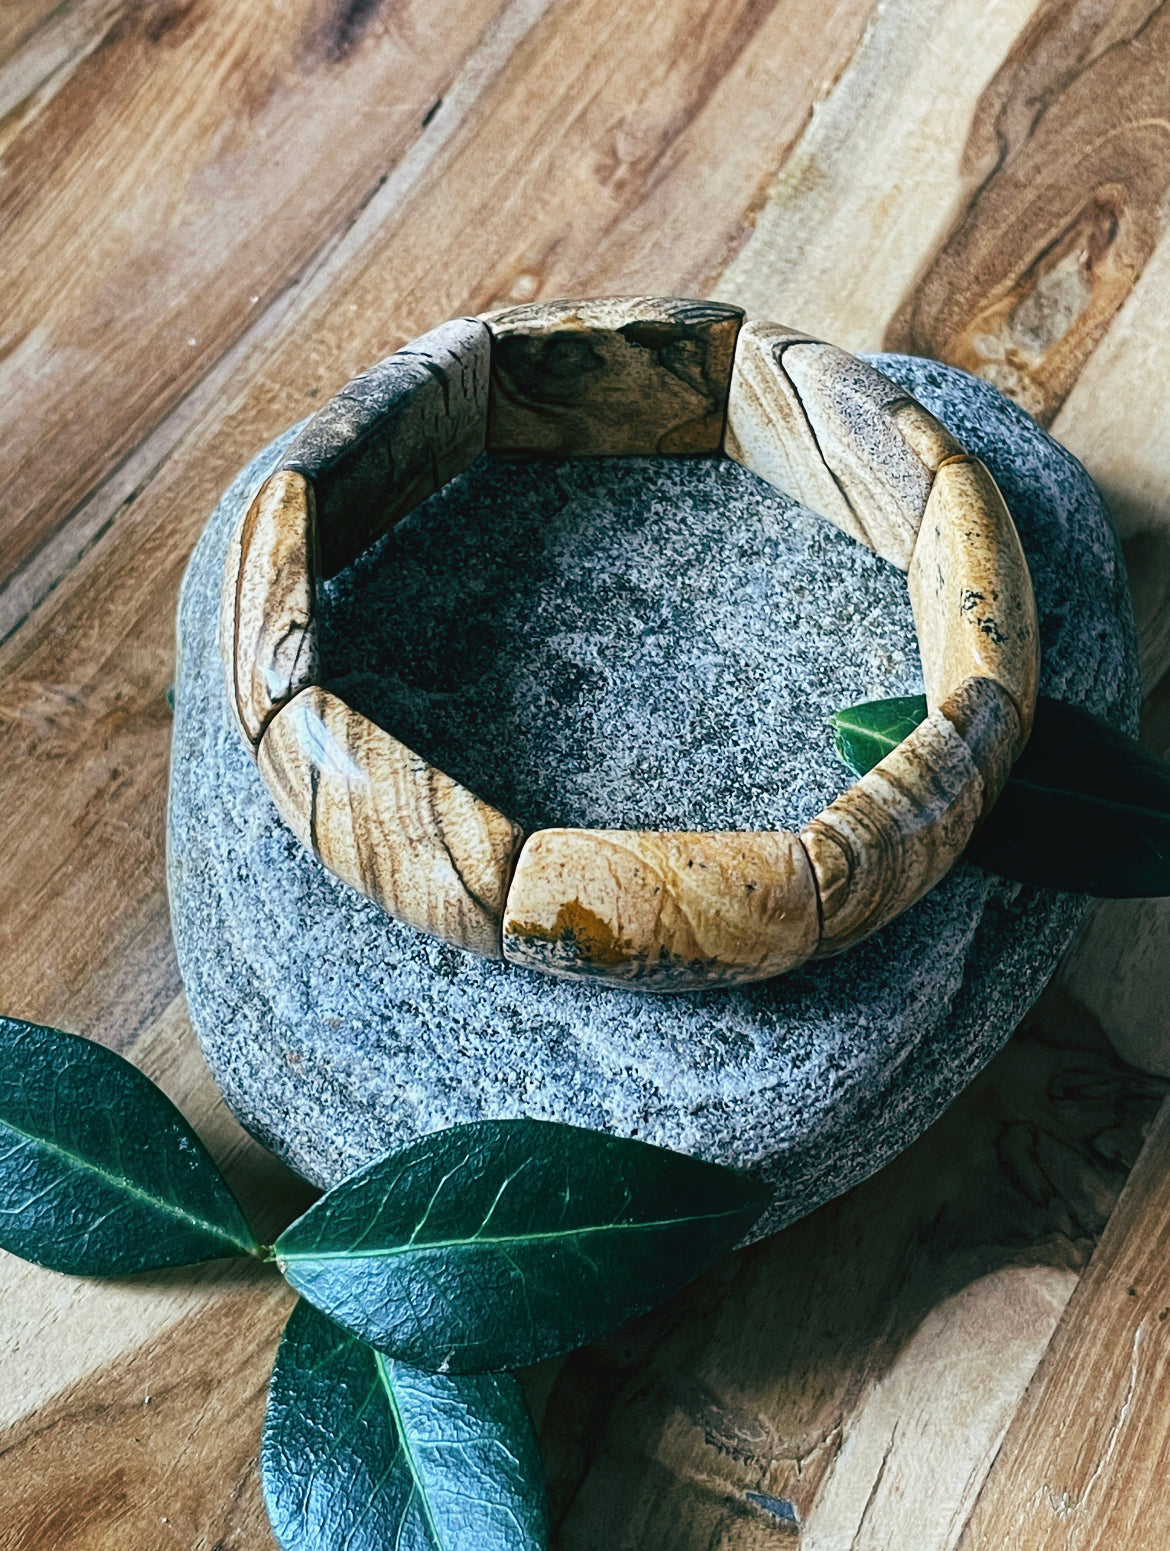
423	847
850	408
268	631
395	435
894	834
768	430
985	717
972	593
661	912
837	434
628	376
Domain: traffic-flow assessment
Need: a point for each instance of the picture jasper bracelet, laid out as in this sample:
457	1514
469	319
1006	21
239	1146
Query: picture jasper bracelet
637	377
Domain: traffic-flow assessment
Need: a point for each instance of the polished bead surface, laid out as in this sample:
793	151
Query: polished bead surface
659	911
407	836
268	632
617	375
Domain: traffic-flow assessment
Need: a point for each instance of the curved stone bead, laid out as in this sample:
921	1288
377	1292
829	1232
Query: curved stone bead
835	433
413	840
268	631
393	436
893	835
661	911
971	592
617	375
984	715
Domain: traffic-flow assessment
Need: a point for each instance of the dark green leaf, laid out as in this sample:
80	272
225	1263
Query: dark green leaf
99	1173
363	1453
1086	808
492	1245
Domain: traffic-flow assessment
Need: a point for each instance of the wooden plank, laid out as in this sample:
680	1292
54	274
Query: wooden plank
19	20
856	210
1084	1465
1066	174
566	158
1113	420
267	133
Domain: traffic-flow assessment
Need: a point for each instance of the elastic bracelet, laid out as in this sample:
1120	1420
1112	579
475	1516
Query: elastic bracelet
633	376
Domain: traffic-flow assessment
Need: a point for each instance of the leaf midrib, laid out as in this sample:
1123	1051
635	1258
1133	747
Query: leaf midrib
381	1363
389	1251
119	1182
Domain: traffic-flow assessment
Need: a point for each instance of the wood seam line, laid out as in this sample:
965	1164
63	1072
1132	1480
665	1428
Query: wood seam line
816	883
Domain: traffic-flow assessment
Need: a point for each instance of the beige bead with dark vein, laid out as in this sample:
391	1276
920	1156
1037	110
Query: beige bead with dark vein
661	911
268	631
894	833
835	433
974	610
617	375
424	848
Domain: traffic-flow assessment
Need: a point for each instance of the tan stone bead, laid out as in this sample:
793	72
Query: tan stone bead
893	835
768	430
985	717
661	911
406	835
971	592
927	438
394	435
618	376
267	630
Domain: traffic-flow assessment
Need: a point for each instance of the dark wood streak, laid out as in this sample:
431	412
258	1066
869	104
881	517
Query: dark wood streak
1068	168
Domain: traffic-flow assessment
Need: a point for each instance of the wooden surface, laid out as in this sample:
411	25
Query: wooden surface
212	215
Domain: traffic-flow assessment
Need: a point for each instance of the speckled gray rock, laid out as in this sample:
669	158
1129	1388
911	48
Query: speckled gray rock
646	643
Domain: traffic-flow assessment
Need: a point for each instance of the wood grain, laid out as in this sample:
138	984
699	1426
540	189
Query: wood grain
1085	1477
1066	175
268	130
407	836
156	166
661	911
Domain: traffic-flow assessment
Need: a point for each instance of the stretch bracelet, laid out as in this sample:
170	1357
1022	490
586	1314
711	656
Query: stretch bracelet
635	376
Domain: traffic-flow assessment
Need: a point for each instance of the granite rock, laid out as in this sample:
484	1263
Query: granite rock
618	644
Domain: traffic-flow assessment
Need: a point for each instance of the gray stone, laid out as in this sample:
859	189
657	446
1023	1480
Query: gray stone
646	643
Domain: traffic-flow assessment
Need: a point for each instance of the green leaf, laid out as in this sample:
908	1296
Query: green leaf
1085	809
868	732
363	1453
99	1173
493	1245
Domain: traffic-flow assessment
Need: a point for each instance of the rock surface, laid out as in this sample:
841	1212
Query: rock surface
620	644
